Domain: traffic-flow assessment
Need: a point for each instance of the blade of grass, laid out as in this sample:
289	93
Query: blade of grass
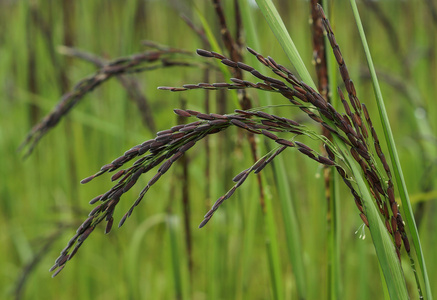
381	240
215	47
384	247
180	282
277	26
292	229
273	249
402	187
334	274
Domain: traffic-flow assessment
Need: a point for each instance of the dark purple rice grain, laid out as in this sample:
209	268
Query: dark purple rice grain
341	171
217	55
264	115
275	81
301	145
164	138
387	225
316	118
123	219
356	118
386	214
364	154
245	67
218	122
374	135
117	175
239	123
325	161
85	234
204	53
229	63
329	128
88	179
187	146
285	142
406	243
398	239
95	210
393	223
358	204
242	179
394	208
203	223
119	192
364	218
204	116
116	162
269	135
58	270
202	127
400	223
307	152
192	112
237	81
182	113
109	225
240	175
176	156
217	203
391	195
329	152
165	166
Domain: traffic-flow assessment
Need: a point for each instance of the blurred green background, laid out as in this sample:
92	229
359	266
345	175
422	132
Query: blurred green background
42	202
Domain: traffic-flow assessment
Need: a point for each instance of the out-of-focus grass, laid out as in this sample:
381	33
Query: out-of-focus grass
138	261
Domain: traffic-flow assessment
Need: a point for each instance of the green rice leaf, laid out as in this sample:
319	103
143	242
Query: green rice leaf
402	187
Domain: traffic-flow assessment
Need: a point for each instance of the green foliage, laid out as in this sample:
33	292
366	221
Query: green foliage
43	203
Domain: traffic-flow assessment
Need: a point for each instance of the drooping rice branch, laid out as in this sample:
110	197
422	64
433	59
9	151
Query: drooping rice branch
167	147
349	127
146	61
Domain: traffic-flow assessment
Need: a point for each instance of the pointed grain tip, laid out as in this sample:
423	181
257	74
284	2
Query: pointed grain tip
88	179
204	53
203	223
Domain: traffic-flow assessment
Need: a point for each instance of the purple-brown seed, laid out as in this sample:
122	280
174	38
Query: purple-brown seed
240	175
245	67
123	219
269	135
85	234
239	123
325	161
285	142
187	146
393	223
203	223
117	175
307	153
387	225
406	243
88	179
364	218
109	225
95	210
204	53
229	63
398	239
394	208
154	179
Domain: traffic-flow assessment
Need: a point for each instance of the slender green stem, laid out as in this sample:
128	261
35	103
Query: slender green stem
382	242
277	26
292	228
402	187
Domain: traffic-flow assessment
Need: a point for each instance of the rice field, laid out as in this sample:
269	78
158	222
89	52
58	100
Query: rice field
276	236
